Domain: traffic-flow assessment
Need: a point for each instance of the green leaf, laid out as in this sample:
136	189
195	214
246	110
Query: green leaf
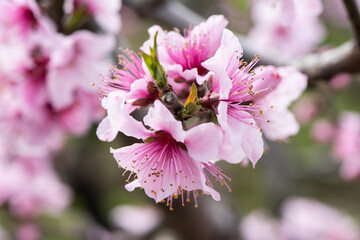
156	70
192	96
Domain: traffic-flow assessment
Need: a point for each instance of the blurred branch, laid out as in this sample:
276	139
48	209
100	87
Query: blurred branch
354	17
325	65
318	66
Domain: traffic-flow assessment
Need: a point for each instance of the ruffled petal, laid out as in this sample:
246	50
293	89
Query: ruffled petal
120	119
160	118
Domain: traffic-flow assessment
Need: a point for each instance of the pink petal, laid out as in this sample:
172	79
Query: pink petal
105	131
204	141
212	28
120	119
160	118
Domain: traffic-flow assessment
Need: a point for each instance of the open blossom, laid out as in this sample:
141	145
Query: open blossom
182	56
225	109
301	219
252	102
170	160
292	28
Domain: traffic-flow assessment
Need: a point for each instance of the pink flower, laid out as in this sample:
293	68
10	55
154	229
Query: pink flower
136	220
347	145
182	56
292	28
106	13
170	162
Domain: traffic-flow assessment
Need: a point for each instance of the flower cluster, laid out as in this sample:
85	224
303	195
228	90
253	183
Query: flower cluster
46	73
204	103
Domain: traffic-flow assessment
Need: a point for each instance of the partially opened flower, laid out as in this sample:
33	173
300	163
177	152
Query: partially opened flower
170	161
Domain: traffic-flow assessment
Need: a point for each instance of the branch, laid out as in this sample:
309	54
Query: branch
354	17
318	66
325	65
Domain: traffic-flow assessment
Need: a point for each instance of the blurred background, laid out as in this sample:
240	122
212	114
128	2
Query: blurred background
304	169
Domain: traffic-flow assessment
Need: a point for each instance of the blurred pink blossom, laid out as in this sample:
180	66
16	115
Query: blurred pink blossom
347	144
306	108
292	28
19	18
258	225
136	220
28	231
182	56
340	81
306	219
323	131
30	200
301	219
335	11
74	64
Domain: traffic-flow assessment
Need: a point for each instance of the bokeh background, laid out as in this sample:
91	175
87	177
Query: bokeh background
300	167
